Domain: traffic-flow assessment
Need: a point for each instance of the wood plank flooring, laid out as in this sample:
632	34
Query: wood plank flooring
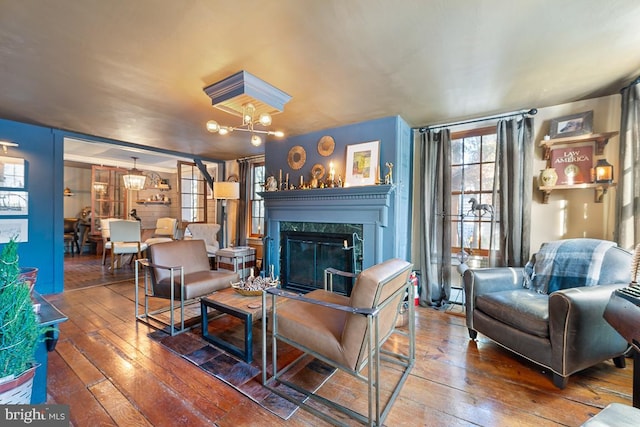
110	373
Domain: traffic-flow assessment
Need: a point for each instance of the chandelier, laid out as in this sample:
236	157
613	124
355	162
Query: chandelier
248	120
134	179
249	97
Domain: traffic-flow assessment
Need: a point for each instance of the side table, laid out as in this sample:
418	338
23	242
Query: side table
239	259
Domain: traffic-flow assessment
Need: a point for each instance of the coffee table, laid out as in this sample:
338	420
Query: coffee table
230	302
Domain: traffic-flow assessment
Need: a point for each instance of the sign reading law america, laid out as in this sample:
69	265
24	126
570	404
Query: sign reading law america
573	164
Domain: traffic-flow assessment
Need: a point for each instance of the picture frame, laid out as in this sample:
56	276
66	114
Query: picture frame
572	125
573	163
12	172
14	203
362	164
17	229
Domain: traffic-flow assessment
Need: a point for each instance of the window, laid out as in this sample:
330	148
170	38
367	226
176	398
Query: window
473	156
192	193
256	203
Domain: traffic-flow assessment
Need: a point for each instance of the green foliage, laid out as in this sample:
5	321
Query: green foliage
20	331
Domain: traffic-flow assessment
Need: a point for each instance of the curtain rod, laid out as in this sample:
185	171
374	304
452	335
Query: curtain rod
531	112
249	158
635	82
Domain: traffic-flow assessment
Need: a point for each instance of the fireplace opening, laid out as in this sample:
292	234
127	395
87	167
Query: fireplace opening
305	255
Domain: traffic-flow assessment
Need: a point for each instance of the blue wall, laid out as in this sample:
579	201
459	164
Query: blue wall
42	150
396	144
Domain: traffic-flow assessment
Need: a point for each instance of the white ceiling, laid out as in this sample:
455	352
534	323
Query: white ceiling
134	71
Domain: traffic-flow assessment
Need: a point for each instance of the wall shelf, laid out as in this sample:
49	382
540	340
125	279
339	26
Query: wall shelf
600	190
601	139
153	202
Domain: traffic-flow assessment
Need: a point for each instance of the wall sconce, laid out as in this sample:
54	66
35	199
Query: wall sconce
6	144
67	192
604	172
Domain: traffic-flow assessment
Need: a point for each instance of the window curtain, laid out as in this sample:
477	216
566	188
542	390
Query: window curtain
244	172
514	190
434	200
627	228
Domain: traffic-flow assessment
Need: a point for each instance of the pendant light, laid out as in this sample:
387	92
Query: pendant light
134	180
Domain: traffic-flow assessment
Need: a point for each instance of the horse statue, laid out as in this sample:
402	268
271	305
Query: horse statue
479	209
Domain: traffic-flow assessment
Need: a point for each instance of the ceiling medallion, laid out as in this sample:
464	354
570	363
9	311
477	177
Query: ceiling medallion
296	158
326	144
249	97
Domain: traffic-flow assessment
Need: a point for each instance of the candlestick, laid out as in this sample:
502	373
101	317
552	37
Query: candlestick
301	181
280	179
345	244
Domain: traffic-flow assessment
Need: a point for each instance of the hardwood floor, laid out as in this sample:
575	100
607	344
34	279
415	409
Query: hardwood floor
111	373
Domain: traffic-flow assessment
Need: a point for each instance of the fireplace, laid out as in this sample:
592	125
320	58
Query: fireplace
360	215
305	255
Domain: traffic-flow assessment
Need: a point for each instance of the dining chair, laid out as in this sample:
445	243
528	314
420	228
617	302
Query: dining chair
125	238
71	234
166	229
105	232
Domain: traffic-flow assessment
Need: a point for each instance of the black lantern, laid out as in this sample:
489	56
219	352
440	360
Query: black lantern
604	172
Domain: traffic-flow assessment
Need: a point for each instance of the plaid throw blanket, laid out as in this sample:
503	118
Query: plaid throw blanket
564	264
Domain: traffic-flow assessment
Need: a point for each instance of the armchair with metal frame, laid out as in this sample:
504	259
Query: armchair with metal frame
178	271
348	333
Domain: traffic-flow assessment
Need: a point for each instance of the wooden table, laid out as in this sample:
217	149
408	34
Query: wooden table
48	316
230	302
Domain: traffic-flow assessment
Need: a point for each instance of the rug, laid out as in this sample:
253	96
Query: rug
245	377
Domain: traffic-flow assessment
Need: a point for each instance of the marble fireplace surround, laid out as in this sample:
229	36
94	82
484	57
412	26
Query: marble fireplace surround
368	206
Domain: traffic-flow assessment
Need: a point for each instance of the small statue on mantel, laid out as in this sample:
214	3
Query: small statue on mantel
388	178
271	184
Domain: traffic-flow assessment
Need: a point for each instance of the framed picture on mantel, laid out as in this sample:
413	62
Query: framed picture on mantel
362	164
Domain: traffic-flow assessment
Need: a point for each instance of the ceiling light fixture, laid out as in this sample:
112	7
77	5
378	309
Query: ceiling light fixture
249	97
134	179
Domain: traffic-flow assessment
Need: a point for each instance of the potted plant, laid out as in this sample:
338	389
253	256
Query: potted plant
20	330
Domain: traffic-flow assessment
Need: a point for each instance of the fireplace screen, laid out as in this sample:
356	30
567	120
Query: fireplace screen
306	255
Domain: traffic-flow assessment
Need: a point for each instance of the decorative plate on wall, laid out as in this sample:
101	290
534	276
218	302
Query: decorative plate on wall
317	171
326	145
296	158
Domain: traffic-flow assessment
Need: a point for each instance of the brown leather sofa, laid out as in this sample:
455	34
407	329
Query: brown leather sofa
564	330
179	271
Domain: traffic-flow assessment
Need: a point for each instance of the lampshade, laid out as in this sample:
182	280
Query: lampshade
223	190
134	179
604	172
